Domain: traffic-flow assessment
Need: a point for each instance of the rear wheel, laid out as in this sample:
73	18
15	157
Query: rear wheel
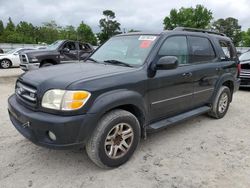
221	103
5	64
114	140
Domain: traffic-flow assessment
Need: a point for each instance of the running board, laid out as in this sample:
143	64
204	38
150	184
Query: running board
176	119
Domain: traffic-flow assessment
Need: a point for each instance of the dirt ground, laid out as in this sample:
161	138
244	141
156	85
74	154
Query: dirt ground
198	153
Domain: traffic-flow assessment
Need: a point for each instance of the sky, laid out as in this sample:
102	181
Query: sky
144	15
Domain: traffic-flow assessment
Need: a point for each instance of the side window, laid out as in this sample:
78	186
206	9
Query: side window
70	46
175	46
228	51
81	46
201	50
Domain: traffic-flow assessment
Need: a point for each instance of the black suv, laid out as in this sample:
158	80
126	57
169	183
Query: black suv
134	84
61	51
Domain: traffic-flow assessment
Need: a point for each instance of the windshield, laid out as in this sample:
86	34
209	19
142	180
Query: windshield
12	51
54	45
245	56
131	50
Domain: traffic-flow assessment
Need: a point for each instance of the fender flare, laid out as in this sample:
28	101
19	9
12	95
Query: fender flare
223	79
113	99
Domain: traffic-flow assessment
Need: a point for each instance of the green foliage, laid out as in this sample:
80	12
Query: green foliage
198	17
49	32
109	26
245	38
230	27
85	34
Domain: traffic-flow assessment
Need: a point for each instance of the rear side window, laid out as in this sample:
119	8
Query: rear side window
175	46
228	52
201	50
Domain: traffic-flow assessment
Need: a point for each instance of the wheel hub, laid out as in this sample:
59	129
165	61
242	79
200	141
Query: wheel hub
119	140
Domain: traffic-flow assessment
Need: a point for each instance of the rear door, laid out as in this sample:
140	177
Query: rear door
71	55
84	50
206	68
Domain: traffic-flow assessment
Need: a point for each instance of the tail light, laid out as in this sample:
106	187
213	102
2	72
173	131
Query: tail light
239	68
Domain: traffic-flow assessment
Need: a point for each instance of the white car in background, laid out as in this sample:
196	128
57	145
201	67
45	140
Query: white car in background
11	58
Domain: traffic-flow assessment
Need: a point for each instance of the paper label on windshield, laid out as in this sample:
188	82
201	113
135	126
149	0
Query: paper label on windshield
145	44
147	37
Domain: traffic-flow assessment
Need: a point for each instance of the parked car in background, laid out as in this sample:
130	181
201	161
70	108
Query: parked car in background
11	58
245	69
61	51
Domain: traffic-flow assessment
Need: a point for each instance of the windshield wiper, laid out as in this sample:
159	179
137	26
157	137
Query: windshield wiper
116	62
91	59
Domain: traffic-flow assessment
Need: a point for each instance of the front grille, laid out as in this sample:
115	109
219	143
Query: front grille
245	73
26	93
24	58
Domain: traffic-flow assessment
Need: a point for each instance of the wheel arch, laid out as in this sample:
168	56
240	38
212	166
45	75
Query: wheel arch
48	61
130	101
8	60
226	80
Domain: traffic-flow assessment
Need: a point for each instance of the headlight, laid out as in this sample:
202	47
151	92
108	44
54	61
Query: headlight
65	100
33	59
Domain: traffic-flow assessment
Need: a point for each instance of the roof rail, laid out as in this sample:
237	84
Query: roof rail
198	30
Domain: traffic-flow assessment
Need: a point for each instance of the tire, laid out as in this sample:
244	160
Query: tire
221	103
5	64
103	147
46	64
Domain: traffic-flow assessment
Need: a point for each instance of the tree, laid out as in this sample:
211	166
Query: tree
10	25
198	17
1	27
245	38
109	26
85	34
26	32
230	27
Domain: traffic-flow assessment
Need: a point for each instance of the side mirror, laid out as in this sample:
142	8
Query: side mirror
65	50
167	63
15	54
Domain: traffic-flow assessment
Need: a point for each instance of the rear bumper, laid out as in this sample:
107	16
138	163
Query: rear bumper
70	131
29	66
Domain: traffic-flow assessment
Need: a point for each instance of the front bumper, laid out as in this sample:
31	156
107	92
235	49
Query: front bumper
29	66
70	131
245	82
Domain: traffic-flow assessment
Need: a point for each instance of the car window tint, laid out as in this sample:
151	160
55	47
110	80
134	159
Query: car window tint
175	46
70	46
227	50
201	50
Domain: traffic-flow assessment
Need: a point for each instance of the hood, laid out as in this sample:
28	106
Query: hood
34	53
60	76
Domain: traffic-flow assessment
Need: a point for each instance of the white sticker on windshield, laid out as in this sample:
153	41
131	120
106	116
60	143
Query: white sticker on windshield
147	37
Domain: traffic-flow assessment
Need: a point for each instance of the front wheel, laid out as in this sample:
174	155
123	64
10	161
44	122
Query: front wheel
221	103
46	64
114	140
5	64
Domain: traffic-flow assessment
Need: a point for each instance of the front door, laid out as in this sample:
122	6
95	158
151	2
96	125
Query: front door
171	91
69	52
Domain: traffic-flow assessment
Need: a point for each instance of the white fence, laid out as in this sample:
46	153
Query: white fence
8	46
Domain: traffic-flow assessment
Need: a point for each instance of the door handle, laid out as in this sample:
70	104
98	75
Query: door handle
187	74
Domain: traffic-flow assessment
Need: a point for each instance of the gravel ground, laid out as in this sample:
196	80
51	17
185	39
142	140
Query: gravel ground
201	152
